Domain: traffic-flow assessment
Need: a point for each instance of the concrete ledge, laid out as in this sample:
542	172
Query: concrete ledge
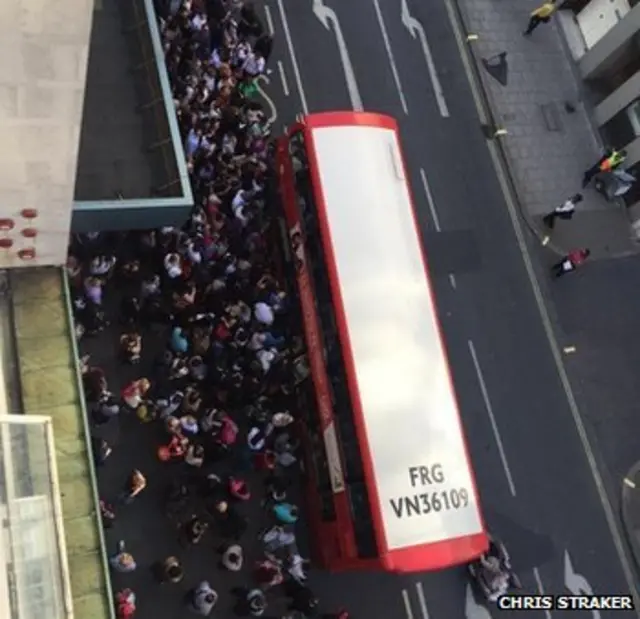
50	388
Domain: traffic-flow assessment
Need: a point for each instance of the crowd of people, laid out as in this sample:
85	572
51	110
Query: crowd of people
203	315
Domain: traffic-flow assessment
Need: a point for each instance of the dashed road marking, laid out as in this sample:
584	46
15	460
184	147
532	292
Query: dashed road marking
407	604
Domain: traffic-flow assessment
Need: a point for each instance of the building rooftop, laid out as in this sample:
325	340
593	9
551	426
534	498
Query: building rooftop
115	160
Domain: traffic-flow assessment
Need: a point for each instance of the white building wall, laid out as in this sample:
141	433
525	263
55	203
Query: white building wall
43	65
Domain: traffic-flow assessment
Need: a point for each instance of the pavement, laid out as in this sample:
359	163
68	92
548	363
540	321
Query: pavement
550	139
551	514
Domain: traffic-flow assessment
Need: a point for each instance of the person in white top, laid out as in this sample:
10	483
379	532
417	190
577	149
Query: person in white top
101	265
564	211
194	255
254	64
232	558
296	568
263	313
172	265
266	358
198	21
238	205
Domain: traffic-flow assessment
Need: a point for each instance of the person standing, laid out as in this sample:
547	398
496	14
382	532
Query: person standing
125	604
202	599
541	15
122	561
264	46
564	211
169	571
611	160
135	483
570	262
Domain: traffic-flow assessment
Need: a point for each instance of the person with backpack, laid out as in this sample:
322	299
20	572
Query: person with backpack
570	262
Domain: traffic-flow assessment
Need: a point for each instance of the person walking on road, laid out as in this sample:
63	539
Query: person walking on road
564	211
611	160
202	599
541	15
122	561
570	262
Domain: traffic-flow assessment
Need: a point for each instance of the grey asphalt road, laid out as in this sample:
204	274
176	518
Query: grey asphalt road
557	508
597	312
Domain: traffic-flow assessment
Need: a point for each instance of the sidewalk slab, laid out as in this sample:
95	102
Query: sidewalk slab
550	140
631	510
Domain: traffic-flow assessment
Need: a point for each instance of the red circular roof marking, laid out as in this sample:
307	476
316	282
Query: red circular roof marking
27	254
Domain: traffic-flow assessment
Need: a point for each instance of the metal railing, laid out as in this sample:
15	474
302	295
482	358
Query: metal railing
87	437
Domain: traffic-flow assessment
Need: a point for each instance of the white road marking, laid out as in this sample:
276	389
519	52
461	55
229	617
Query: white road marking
267	12
392	60
263	79
430	202
294	60
452	280
283	78
417	31
536	575
514	214
629	483
473	610
492	418
421	601
327	16
577	583
407	604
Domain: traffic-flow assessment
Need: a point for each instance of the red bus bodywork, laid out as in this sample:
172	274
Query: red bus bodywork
333	543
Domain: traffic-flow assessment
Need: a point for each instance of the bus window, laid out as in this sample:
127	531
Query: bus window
318	453
334	359
325	492
362	521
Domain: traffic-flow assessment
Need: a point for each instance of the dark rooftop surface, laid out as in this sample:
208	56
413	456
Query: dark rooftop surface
114	158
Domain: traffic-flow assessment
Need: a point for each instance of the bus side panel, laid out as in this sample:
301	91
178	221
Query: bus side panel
330	541
324	544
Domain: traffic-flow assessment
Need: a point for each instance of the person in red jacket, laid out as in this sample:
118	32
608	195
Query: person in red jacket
570	262
126	604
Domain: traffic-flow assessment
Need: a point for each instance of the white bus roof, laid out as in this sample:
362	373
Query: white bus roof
409	407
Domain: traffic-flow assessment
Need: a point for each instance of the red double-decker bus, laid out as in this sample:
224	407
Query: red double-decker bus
389	480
